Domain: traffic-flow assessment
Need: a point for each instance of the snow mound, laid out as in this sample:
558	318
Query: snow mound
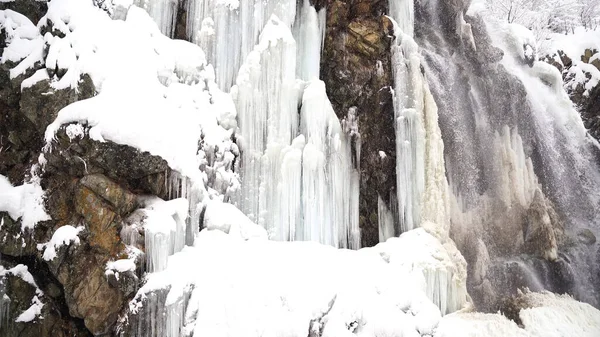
25	202
478	325
552	315
259	287
229	219
419	253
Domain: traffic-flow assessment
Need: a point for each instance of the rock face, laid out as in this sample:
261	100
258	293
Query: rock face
356	69
87	183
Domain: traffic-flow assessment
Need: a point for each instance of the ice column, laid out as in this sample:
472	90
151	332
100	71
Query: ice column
420	172
227	30
164	13
410	134
403	11
329	179
267	115
309	32
4	304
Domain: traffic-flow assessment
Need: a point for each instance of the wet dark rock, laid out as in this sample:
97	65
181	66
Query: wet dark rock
356	69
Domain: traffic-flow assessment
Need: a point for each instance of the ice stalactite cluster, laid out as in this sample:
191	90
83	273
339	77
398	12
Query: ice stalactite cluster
228	30
421	182
165	230
298	178
309	32
299	165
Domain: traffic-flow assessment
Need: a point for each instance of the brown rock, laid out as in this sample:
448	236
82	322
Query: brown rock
99	219
122	200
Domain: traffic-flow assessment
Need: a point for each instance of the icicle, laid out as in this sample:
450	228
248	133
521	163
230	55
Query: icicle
164	231
193	191
164	13
410	135
289	189
386	221
4	304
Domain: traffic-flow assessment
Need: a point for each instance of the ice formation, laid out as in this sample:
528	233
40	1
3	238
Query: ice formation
163	11
299	165
228	30
420	173
265	47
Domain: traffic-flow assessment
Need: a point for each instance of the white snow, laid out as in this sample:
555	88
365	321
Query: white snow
24	43
24	202
122	265
75	131
229	219
64	235
155	94
38	76
21	271
32	312
478	325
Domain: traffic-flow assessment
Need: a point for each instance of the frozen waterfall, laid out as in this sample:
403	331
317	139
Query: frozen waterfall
297	166
420	172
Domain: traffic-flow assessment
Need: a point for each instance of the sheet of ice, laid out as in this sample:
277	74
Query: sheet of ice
299	165
309	32
64	235
257	288
25	202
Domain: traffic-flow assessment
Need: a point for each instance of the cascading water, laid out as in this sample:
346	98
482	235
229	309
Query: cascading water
518	160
